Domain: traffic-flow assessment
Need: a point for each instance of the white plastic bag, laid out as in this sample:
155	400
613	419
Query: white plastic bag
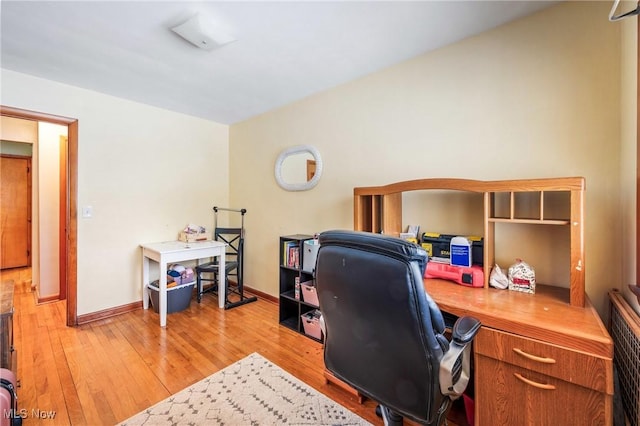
522	277
498	279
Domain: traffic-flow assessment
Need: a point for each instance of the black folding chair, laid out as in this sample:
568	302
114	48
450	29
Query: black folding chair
234	265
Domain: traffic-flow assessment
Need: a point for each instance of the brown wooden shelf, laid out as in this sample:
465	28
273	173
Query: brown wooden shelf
530	221
379	209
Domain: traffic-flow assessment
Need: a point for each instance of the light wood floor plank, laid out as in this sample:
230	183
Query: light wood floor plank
106	371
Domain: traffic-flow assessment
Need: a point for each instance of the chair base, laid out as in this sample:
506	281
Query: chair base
389	417
238	290
242	301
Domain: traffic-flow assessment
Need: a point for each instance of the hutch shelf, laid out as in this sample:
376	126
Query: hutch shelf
379	209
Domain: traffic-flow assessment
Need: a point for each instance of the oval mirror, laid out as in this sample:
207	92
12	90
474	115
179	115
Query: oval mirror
298	168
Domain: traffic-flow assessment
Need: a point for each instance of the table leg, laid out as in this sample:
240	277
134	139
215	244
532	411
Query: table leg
145	282
222	282
162	296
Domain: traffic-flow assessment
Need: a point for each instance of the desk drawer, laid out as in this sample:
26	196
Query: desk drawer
571	366
510	395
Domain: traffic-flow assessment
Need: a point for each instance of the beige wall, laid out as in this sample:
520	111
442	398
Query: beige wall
628	169
17	130
146	172
539	97
46	187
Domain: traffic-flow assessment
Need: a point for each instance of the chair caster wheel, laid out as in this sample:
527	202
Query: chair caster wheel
390	418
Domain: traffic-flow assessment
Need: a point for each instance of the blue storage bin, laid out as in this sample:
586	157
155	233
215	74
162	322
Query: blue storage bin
178	297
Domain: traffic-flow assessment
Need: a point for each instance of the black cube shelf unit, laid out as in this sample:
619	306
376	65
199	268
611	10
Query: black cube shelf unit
292	305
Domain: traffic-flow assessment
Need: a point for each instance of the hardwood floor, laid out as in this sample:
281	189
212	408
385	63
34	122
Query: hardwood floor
106	371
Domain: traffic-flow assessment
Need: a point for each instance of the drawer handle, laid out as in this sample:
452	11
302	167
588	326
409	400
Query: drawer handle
534	384
533	357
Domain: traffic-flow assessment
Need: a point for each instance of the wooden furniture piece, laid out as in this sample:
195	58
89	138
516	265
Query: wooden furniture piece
540	359
379	209
291	302
176	251
8	355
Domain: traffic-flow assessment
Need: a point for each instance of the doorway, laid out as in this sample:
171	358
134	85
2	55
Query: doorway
15	211
70	208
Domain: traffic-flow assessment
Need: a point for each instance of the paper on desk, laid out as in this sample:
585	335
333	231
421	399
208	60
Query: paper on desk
194	229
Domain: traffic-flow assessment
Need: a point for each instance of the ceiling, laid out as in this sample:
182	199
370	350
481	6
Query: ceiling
284	51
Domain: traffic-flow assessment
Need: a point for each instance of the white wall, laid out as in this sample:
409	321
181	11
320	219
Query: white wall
146	172
46	271
539	97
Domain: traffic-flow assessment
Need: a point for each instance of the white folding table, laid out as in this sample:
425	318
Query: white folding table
168	252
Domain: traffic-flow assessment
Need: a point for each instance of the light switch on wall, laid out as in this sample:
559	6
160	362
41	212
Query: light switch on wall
87	211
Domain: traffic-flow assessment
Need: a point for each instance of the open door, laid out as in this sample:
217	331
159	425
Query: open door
15	211
311	169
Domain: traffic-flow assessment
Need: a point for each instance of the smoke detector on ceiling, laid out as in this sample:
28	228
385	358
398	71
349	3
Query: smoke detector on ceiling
210	38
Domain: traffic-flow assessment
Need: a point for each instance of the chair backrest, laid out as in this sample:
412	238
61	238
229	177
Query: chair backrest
234	238
383	331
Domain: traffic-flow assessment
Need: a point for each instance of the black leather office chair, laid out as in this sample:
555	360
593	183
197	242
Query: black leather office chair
383	332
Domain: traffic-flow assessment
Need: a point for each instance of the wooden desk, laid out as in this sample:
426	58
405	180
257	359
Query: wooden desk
542	359
538	360
176	251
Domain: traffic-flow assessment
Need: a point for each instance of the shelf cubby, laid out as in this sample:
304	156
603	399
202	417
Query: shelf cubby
291	270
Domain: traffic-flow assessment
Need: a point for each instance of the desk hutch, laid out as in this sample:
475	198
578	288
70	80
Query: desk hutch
540	359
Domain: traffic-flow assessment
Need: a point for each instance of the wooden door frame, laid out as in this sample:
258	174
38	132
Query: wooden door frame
72	200
63	221
636	288
311	169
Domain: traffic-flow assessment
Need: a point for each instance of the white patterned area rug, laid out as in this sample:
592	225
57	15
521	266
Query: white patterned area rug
252	391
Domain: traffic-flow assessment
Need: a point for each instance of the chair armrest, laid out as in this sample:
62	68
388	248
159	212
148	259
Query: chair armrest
464	330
